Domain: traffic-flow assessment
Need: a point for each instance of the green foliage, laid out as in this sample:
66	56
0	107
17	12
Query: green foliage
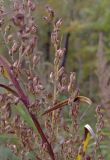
25	115
9	138
6	153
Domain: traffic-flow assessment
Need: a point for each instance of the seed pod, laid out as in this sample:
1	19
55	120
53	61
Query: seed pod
14	47
31	5
61	71
51	14
58	23
7	28
72	81
52	76
18	19
9	38
34	29
60	52
34	59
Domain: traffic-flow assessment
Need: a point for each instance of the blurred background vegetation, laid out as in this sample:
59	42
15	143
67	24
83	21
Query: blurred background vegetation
86	37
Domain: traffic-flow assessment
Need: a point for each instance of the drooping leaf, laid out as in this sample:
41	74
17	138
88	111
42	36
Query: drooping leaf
84	99
86	142
65	102
9	89
88	132
56	106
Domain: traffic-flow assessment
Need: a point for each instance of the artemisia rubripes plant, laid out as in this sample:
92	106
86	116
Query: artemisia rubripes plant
32	123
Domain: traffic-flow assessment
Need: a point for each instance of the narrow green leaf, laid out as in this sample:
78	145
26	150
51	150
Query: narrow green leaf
30	155
7	154
9	138
25	116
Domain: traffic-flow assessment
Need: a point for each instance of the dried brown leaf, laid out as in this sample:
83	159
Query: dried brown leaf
65	102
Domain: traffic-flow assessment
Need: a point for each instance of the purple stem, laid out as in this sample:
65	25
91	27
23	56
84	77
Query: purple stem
25	101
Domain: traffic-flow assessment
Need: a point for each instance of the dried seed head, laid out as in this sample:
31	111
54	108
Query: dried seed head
14	47
60	52
99	125
56	61
34	59
16	100
33	41
34	29
52	76
60	72
9	38
50	15
58	23
16	5
35	81
1	9
72	82
15	64
18	19
31	5
7	110
1	22
54	38
72	77
1	13
7	28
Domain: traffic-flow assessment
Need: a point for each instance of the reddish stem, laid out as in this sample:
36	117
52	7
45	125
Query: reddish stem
26	102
